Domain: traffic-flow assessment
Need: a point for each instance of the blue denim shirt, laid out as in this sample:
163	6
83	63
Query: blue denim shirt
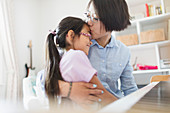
112	63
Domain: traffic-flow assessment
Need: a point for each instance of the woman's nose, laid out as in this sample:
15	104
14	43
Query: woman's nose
90	23
91	42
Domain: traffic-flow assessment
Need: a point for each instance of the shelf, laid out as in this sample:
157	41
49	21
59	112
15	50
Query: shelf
153	19
149	44
151	71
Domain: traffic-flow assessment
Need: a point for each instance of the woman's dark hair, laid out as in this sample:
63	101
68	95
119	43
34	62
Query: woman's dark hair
53	58
113	14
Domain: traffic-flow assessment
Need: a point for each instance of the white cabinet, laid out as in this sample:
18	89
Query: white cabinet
149	53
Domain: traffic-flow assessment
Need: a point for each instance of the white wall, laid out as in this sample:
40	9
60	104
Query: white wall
32	21
26	16
52	11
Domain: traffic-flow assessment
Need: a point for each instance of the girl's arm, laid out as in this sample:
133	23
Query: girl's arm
107	97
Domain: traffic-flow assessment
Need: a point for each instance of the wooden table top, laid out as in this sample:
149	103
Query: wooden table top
153	98
157	100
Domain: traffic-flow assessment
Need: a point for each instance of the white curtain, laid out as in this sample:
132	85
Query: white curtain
9	75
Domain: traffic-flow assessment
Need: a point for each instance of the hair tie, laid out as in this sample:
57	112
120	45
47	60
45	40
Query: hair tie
52	32
55	38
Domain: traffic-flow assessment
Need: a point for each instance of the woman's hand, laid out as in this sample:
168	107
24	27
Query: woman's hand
107	97
81	92
85	93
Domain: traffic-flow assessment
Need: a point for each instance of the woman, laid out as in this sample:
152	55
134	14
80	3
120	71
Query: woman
107	55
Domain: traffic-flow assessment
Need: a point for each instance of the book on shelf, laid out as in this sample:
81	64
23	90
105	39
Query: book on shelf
152	10
158	10
147	10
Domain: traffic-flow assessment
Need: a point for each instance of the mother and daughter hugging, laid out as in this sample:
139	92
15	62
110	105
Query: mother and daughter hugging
88	72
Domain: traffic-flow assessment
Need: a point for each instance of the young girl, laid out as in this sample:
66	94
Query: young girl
73	35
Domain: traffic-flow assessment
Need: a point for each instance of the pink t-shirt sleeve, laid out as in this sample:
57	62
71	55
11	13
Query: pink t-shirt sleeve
76	67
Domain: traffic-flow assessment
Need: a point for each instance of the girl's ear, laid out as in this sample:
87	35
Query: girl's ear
69	37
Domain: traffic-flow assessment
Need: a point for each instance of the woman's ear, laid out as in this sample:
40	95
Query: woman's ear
69	37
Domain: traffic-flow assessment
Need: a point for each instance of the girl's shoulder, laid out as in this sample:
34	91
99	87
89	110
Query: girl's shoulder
75	53
74	56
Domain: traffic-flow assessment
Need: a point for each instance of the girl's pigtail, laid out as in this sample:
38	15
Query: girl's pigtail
52	83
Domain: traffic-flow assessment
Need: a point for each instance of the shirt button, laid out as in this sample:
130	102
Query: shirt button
103	61
104	74
120	64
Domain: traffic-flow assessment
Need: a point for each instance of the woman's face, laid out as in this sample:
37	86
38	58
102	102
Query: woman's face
83	42
96	26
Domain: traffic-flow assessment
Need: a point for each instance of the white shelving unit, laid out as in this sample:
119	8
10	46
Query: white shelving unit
148	23
149	53
138	6
151	71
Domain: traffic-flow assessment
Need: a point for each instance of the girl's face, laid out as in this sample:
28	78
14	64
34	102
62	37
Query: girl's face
83	42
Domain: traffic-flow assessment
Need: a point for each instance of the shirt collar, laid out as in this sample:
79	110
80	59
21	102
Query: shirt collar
112	43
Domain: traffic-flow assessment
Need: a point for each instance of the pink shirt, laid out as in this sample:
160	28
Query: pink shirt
76	67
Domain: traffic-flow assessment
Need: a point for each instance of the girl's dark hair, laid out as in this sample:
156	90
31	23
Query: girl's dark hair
53	58
113	14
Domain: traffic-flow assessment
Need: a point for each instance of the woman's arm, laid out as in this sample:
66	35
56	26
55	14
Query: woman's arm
128	84
81	92
107	97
